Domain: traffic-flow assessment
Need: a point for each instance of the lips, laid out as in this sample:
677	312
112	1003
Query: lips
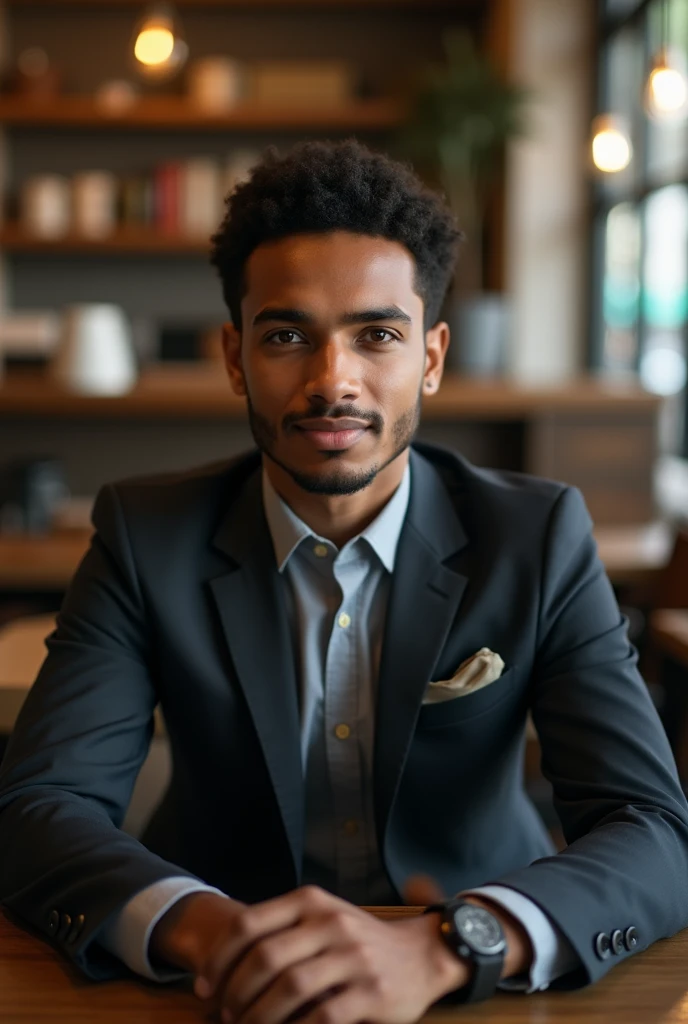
333	435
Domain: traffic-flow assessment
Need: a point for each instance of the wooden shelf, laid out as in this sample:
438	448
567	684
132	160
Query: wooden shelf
420	5
174	113
201	391
125	241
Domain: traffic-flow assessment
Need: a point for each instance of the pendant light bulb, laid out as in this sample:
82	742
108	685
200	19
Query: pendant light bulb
154	45
667	87
611	144
159	48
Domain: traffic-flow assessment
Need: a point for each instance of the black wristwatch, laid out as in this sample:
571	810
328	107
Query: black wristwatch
474	934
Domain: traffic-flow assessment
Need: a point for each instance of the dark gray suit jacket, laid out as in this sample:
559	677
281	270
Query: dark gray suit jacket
178	602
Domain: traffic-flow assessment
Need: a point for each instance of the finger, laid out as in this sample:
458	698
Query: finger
254	924
350	1005
298	986
270	957
421	891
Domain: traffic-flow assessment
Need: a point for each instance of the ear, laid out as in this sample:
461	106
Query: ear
231	348
436	345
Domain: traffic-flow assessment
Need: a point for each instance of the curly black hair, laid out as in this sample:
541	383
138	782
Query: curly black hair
337	186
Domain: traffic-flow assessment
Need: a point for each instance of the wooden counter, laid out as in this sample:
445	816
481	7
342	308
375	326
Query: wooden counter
37	985
599	437
203	391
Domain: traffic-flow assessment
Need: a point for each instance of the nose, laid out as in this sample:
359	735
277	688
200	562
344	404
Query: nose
333	375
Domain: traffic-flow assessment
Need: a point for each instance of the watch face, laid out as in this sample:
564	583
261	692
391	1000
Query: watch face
479	930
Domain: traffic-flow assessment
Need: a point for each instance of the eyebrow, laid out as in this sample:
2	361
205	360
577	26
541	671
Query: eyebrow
359	316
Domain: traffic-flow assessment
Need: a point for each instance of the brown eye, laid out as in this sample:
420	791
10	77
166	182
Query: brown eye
285	337
380	334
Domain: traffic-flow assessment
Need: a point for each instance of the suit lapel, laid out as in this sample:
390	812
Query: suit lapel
254	620
424	600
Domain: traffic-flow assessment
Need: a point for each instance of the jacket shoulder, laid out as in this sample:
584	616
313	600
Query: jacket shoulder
501	504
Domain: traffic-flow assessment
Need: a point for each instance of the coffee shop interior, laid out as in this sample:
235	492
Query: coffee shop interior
558	130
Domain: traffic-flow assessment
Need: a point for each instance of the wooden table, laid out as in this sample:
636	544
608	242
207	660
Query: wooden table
669	628
631	554
34	562
634	555
37	985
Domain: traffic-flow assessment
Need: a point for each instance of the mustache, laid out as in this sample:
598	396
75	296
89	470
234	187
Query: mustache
335	412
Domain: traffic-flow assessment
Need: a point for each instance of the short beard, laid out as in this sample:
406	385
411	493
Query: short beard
339	482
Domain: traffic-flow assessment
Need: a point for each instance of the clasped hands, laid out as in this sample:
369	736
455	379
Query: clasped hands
310	955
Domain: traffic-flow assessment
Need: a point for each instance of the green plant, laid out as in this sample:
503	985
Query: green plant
462	116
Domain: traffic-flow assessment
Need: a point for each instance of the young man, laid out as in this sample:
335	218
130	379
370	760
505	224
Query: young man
345	634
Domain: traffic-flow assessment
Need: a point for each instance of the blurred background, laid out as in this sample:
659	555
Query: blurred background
558	130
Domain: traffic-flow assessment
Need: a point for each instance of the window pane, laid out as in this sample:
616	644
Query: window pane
623	74
621	289
667	141
618	7
665	303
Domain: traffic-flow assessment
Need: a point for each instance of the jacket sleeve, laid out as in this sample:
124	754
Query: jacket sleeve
623	877
79	741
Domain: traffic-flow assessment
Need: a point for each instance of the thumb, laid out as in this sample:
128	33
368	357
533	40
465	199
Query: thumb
421	890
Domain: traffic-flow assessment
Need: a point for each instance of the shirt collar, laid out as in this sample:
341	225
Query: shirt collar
287	530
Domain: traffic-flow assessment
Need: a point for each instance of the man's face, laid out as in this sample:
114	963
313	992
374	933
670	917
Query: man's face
332	356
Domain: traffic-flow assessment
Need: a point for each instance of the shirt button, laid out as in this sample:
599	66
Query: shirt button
344	620
321	551
351	827
342	731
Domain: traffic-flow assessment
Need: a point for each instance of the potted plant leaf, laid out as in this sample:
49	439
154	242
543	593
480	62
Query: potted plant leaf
462	115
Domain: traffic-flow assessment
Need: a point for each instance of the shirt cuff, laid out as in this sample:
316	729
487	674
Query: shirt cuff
127	935
553	954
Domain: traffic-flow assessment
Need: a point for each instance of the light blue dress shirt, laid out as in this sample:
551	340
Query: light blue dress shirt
336	601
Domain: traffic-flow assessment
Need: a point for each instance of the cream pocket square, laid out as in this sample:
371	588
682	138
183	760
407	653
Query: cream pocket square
481	669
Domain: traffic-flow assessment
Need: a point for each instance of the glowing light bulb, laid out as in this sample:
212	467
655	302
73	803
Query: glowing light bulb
666	94
154	45
158	45
611	146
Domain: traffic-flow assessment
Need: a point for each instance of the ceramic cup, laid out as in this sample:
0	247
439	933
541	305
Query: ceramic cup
96	354
46	205
215	83
94	203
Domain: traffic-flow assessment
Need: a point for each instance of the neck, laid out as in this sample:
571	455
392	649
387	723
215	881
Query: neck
342	516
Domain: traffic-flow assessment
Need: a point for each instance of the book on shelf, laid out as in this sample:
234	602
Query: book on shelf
177	198
135	200
201	197
167	198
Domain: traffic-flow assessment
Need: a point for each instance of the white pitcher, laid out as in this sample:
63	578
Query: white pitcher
96	354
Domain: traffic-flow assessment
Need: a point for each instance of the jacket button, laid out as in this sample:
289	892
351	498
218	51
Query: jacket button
64	927
53	922
617	942
631	938
77	928
602	945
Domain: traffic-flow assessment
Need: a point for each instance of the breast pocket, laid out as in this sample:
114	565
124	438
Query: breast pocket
461	709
